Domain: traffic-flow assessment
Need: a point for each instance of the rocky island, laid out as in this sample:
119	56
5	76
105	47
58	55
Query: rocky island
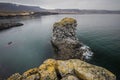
66	43
69	62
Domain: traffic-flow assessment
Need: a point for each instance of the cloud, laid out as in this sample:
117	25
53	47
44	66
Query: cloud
81	4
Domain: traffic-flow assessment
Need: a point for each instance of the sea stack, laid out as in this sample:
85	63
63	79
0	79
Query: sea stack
65	42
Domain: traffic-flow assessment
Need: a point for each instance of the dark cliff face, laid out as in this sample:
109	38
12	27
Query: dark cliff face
65	42
9	7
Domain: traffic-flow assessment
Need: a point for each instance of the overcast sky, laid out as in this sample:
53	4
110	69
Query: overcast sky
81	4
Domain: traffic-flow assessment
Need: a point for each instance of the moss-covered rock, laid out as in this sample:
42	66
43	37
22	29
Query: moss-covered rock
32	77
65	67
15	76
88	71
84	70
47	72
73	69
30	72
70	77
65	21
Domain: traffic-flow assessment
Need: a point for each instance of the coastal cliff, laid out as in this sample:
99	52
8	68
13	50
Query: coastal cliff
69	61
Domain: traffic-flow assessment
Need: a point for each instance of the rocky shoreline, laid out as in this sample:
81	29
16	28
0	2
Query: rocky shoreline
4	26
69	62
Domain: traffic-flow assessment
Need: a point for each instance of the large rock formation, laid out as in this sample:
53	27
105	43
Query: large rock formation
65	42
73	69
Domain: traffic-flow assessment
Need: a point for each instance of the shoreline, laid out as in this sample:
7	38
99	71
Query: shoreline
4	26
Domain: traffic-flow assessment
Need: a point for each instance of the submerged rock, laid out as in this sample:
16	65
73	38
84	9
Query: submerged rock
65	42
72	69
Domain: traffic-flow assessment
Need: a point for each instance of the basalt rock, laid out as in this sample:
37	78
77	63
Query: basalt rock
65	42
72	69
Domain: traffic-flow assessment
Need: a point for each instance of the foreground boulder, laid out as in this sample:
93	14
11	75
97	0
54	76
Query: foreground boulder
73	69
65	42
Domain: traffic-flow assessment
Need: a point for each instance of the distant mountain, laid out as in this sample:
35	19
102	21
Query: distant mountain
79	11
13	10
10	7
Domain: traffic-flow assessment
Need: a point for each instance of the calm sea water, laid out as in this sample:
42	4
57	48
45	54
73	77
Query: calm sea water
31	42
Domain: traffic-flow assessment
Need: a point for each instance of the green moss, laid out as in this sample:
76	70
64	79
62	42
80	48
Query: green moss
68	20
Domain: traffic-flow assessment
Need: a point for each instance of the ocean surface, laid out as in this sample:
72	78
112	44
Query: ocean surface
31	42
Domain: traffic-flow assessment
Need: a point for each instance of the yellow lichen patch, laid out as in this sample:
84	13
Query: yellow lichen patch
70	77
50	62
42	67
33	77
30	72
57	24
65	67
88	71
47	72
15	76
65	21
68	20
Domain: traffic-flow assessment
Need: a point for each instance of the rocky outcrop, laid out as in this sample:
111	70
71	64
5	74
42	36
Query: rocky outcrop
4	26
65	42
73	69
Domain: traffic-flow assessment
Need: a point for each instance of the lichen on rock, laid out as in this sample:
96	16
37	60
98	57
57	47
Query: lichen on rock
65	21
30	72
72	69
15	76
70	77
47	72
